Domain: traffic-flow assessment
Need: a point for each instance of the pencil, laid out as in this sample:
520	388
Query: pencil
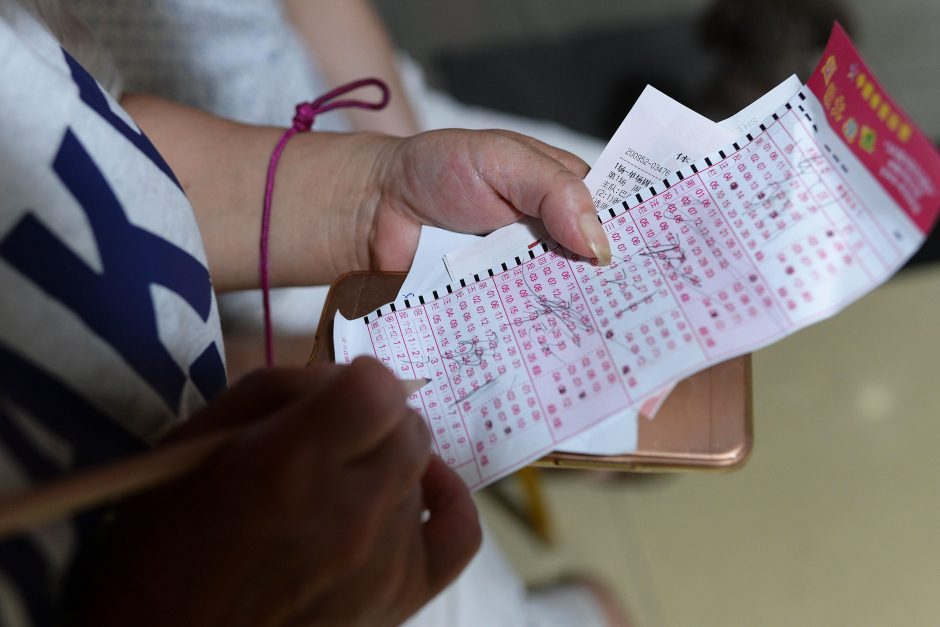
112	481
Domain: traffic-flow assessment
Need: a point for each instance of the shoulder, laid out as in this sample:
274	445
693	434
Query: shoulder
100	255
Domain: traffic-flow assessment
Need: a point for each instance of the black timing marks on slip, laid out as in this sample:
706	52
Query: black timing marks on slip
640	198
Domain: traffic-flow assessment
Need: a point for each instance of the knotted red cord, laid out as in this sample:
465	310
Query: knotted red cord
303	121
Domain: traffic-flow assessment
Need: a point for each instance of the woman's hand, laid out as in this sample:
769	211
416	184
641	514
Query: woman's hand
346	202
476	182
312	515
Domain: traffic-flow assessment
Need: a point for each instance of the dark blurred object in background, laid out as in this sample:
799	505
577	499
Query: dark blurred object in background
758	43
588	81
717	64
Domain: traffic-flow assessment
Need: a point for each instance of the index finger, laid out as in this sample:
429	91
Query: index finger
570	160
541	186
363	406
255	397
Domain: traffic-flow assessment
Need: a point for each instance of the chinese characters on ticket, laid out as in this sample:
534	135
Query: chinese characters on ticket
813	208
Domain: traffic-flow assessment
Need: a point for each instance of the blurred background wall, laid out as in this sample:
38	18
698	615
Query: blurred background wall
898	37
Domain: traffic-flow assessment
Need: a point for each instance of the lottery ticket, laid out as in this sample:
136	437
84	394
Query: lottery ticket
658	133
817	205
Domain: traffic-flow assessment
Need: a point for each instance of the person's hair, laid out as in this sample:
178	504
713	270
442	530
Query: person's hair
78	40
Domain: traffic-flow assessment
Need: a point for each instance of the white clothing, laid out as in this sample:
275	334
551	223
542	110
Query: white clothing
195	52
109	331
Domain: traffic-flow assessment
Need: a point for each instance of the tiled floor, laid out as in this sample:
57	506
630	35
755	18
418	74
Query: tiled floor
833	521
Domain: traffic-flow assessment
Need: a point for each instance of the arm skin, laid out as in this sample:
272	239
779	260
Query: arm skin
347	202
347	40
324	182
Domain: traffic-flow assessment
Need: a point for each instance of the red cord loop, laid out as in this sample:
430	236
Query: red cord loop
304	117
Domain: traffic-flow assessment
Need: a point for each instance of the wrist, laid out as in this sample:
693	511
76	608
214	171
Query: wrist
325	201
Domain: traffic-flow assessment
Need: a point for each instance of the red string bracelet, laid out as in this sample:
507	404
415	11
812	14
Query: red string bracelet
303	121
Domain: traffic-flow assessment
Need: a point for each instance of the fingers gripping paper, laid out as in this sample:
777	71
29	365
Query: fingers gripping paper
811	210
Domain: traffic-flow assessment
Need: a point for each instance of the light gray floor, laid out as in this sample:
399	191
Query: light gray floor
834	519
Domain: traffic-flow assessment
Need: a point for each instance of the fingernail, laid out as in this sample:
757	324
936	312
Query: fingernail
595	238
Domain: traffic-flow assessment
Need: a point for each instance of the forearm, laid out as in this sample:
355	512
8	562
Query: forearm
325	184
349	41
357	201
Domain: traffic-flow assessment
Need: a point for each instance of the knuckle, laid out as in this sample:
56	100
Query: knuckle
572	192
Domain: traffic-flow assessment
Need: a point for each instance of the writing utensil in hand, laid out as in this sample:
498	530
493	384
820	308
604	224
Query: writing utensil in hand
112	481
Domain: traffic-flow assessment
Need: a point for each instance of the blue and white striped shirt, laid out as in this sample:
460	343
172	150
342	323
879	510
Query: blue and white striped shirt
109	331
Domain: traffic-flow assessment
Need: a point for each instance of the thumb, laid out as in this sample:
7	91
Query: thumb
543	187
